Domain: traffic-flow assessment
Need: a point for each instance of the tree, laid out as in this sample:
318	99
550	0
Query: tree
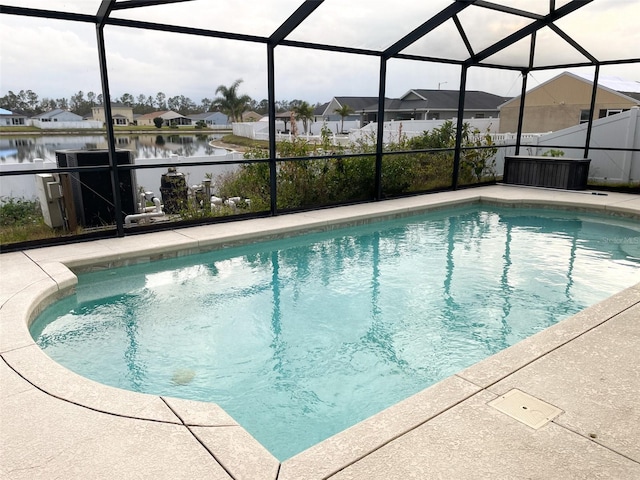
46	105
62	103
127	99
174	104
230	103
262	107
10	101
304	112
282	105
77	103
343	111
158	121
32	100
205	104
161	101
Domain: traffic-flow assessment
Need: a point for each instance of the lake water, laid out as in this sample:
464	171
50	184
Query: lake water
24	149
21	152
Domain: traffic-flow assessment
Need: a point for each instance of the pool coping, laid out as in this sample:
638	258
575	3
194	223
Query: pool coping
50	276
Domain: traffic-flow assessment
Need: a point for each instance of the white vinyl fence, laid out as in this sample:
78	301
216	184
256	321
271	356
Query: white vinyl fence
617	131
68	125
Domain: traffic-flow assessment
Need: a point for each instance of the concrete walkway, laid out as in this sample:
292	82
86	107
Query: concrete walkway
56	424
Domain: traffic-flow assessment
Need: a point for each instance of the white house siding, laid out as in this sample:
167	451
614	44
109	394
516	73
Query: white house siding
12	121
60	125
63	116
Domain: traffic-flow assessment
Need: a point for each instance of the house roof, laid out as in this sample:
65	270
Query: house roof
170	115
116	105
439	100
284	115
320	109
251	115
448	99
49	114
614	83
152	115
397	105
164	114
634	95
204	116
629	89
356	103
55	113
7	113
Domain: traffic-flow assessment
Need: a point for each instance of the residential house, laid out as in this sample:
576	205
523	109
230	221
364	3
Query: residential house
168	117
327	112
57	115
565	101
12	119
251	116
417	104
211	119
443	104
122	114
425	104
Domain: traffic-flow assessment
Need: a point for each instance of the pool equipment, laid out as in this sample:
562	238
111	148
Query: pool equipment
173	188
144	211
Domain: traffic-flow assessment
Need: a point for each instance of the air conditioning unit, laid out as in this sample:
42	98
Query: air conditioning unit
49	192
92	192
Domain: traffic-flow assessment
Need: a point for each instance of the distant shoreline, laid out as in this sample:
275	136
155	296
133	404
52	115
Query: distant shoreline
92	131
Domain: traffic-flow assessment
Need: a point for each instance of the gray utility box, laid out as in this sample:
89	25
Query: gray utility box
553	172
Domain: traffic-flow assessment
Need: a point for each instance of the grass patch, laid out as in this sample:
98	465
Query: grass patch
21	220
245	142
21	129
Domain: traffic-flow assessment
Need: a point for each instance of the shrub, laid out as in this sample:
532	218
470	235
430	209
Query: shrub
21	220
553	153
336	179
19	212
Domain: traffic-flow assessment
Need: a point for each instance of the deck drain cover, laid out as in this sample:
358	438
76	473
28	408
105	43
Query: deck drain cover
525	408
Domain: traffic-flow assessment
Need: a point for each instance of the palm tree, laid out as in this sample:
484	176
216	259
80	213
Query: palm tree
230	103
343	111
304	112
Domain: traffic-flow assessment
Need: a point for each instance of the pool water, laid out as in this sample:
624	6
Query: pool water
300	338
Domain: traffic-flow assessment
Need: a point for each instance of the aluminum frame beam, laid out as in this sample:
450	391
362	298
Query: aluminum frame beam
431	24
144	3
527	30
296	18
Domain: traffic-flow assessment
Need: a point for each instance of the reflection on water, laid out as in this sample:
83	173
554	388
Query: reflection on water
26	148
18	153
299	338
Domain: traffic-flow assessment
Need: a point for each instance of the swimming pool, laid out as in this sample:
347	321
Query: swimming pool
360	303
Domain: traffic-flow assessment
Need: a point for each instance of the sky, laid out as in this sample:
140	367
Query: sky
57	59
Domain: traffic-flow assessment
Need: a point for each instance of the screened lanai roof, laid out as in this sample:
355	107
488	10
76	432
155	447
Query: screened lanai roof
313	50
325	48
584	31
225	40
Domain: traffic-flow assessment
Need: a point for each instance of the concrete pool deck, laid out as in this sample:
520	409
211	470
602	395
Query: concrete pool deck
56	424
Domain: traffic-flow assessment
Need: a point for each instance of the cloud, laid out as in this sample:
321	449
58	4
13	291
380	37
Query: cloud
58	58
50	61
